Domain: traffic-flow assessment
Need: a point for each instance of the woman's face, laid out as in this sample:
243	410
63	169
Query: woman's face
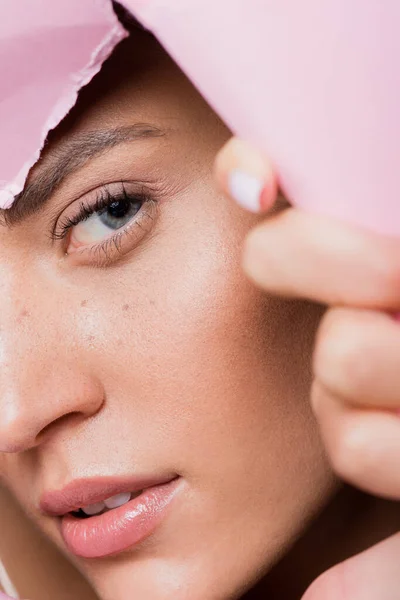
134	354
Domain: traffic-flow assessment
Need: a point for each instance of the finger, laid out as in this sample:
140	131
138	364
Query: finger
298	254
246	175
357	357
371	575
363	446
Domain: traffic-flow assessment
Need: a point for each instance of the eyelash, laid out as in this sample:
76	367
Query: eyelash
104	199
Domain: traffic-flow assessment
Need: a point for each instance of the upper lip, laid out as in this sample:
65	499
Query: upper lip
83	492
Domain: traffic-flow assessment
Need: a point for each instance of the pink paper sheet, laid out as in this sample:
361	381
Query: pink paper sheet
49	49
321	75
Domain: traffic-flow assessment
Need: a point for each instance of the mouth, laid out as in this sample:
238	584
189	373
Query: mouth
99	508
102	517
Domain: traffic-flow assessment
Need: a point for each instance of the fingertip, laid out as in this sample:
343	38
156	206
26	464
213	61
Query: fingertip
327	586
246	176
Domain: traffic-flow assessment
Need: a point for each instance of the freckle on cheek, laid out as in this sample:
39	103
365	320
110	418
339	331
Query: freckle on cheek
23	315
125	307
84	303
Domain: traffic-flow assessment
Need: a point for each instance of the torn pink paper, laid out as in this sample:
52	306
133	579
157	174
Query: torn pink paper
315	84
49	49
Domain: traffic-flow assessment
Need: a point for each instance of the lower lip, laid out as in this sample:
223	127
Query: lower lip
121	528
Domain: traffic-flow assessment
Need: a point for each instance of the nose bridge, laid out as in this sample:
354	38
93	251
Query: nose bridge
41	379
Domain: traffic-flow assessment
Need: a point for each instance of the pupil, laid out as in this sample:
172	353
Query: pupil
119	209
120	212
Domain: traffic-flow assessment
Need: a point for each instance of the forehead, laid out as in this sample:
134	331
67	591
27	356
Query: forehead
138	85
133	72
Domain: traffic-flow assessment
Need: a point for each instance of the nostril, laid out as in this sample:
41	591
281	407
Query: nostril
36	403
16	437
71	417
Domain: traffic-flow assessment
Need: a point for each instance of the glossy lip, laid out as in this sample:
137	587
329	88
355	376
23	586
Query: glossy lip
83	492
117	530
122	528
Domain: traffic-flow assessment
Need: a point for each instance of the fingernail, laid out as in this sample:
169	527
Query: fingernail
246	190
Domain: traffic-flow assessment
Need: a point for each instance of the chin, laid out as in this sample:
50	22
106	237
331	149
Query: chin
163	580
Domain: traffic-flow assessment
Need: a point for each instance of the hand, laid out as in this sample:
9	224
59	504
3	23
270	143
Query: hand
356	390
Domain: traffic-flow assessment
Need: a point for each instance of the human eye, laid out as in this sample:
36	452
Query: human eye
106	223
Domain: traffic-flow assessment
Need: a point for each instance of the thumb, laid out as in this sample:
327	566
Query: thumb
371	575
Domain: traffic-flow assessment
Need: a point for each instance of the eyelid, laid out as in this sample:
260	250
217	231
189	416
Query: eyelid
90	198
118	243
103	199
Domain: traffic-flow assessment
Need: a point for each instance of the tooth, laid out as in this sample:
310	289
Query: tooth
117	500
94	509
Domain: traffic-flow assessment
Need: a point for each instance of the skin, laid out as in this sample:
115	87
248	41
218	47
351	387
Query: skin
163	357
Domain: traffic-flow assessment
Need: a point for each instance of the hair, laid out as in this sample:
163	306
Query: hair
126	18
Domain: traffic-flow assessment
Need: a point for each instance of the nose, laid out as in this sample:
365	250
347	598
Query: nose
32	411
44	384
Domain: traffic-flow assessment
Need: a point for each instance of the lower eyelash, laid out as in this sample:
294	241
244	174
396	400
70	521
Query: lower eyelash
103	252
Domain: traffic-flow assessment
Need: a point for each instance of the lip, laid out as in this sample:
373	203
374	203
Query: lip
83	492
117	530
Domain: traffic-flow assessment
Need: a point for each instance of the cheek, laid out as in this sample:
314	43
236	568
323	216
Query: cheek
197	362
207	380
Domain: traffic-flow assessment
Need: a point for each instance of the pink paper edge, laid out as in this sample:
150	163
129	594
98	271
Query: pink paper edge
63	107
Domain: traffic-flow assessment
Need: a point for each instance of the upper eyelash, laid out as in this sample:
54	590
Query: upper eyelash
104	199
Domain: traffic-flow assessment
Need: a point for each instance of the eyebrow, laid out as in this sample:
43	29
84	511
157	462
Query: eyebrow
70	157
